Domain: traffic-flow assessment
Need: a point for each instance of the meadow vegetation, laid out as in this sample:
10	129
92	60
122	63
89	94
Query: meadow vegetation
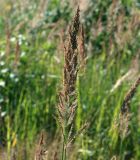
69	80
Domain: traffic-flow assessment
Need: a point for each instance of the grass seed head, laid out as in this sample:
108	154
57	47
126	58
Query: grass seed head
73	50
125	115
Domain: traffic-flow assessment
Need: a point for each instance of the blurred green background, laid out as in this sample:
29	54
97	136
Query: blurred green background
31	64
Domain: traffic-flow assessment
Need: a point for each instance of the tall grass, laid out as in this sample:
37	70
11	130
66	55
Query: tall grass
31	61
68	96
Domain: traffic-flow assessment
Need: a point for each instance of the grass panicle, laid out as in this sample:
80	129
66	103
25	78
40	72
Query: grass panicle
73	49
129	96
125	113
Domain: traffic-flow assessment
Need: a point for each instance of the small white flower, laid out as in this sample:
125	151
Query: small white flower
86	151
12	75
16	79
2	53
20	42
4	70
23	54
43	76
2	83
3	114
13	39
2	63
21	37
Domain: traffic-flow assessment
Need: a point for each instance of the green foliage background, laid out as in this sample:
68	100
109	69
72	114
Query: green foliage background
30	81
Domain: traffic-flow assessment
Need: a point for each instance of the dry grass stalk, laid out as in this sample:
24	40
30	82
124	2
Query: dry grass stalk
55	156
125	115
114	158
130	75
8	45
41	153
68	96
17	54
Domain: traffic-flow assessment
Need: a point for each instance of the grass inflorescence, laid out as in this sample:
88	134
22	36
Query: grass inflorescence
68	97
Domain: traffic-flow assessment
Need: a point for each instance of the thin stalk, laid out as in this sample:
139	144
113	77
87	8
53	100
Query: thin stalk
63	148
121	149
